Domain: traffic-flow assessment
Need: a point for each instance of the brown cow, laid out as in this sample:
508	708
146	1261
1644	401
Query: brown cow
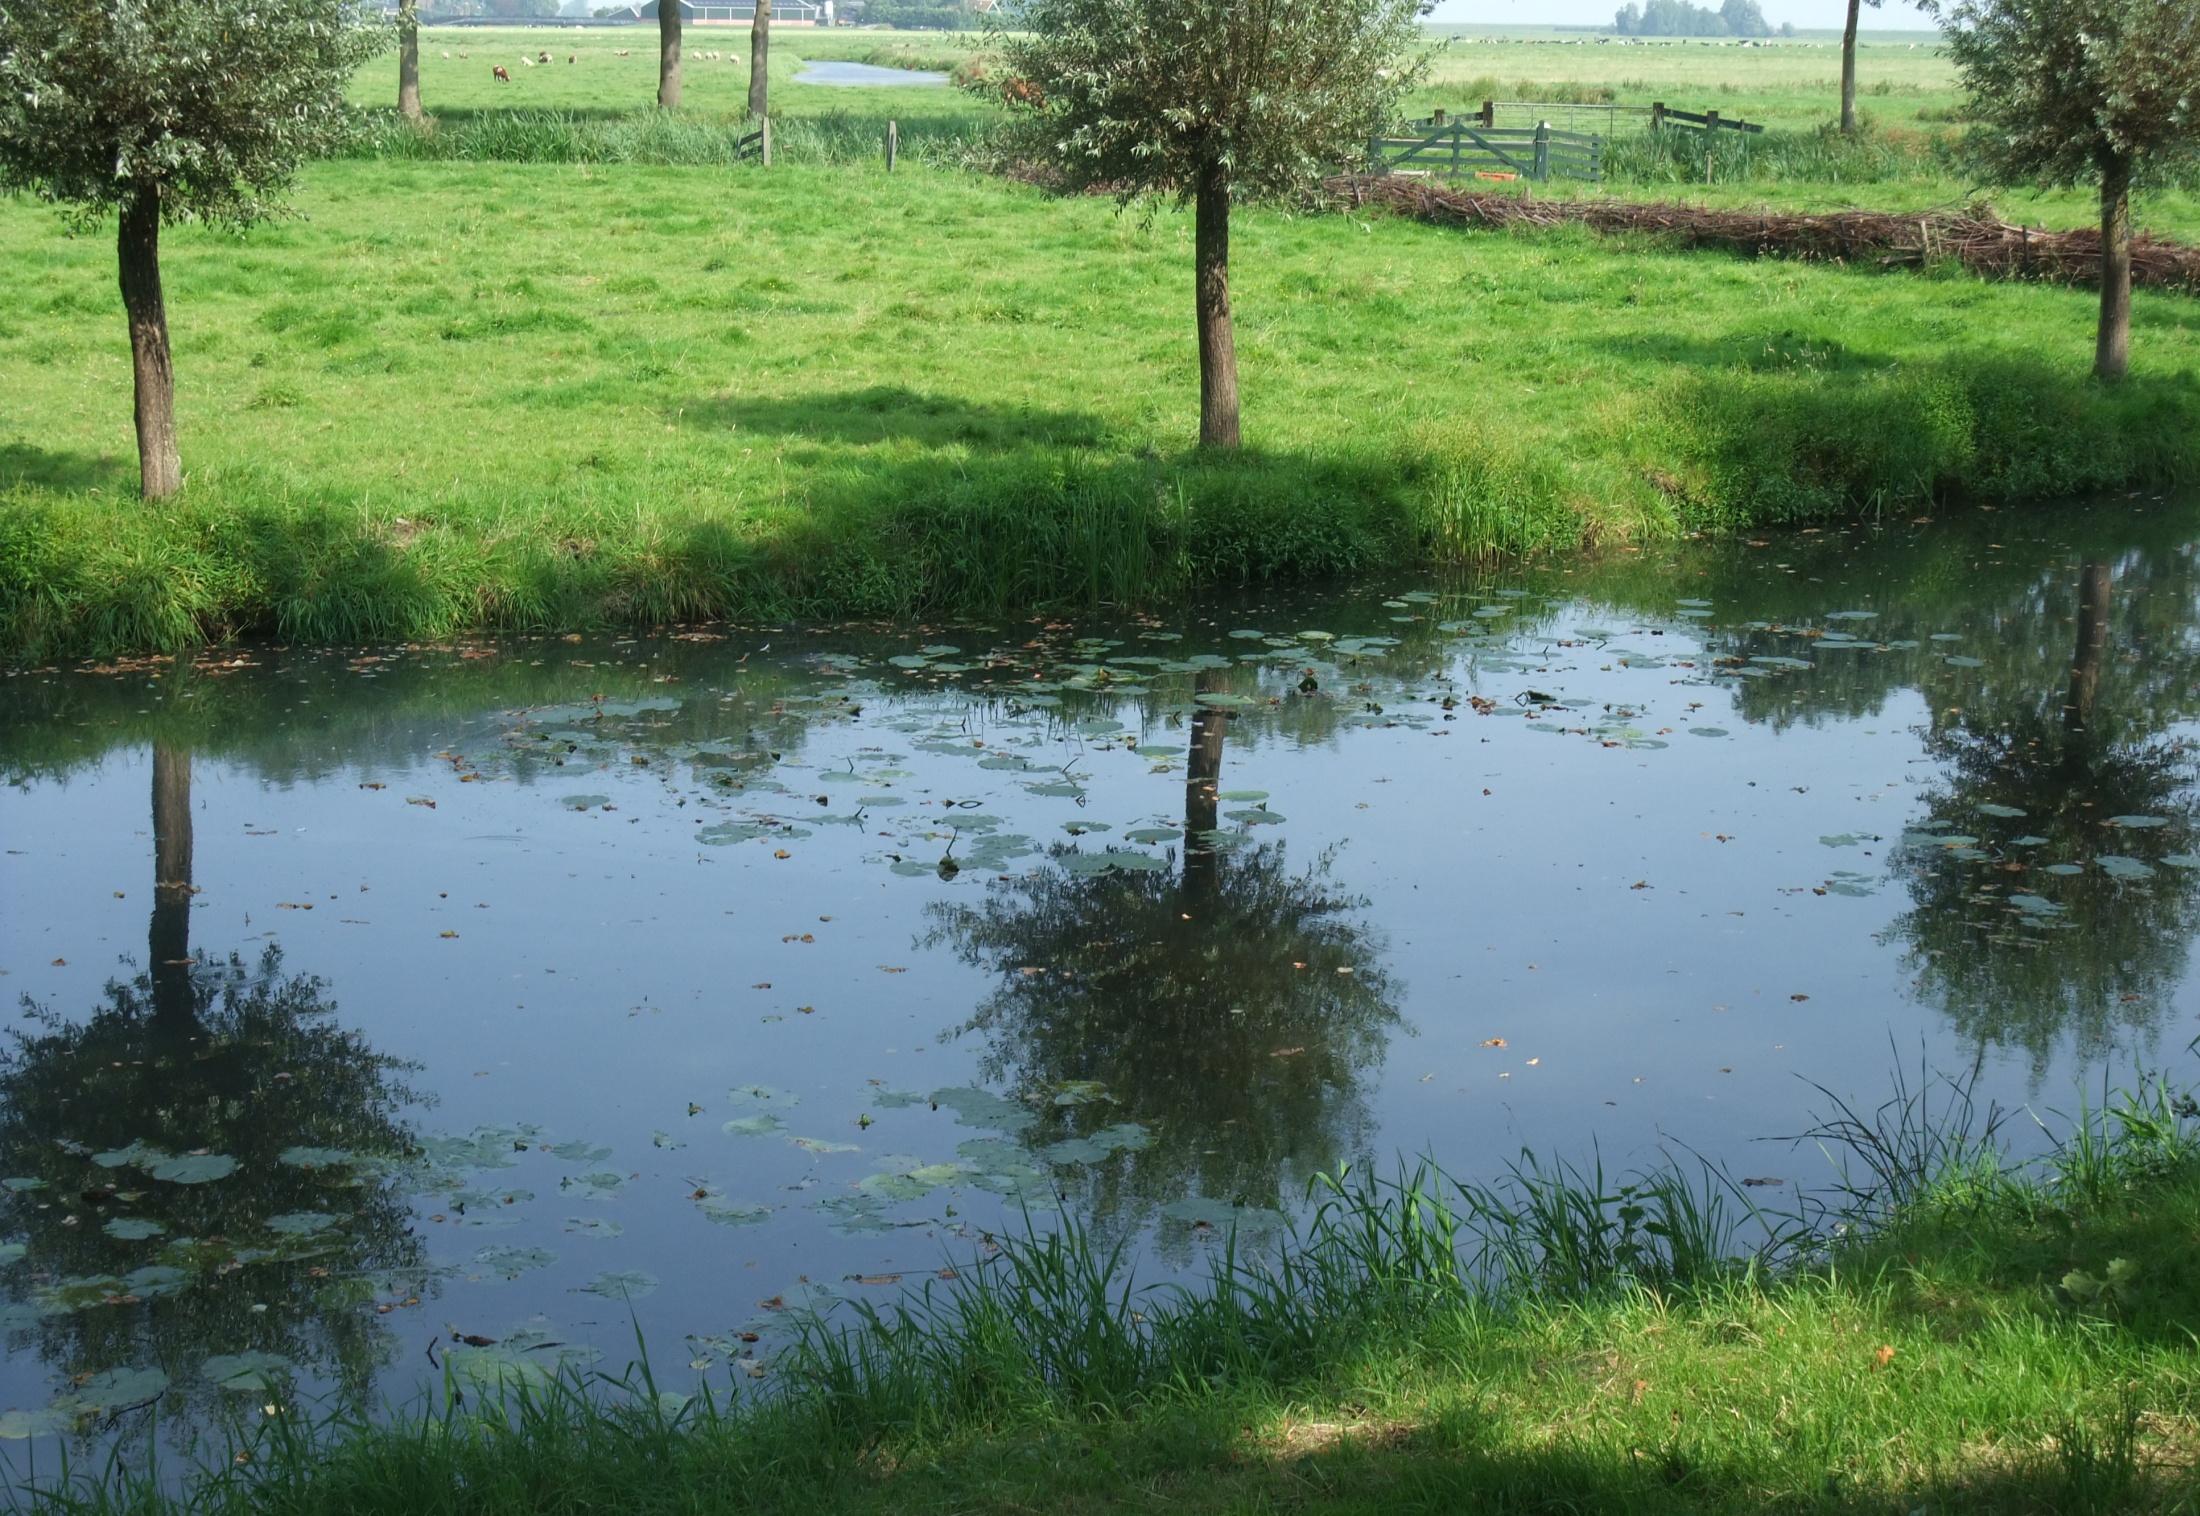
501	72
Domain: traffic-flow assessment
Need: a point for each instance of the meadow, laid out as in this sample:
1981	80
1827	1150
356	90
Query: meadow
559	361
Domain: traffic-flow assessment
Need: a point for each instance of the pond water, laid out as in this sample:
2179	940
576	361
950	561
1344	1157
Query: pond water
834	71
471	1005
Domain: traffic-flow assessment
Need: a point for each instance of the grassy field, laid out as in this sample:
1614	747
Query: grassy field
456	395
558	361
1967	1336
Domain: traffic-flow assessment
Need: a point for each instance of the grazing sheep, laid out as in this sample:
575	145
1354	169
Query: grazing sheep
501	73
446	52
625	52
543	56
572	58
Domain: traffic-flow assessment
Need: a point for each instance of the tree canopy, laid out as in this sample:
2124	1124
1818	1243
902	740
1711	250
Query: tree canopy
212	104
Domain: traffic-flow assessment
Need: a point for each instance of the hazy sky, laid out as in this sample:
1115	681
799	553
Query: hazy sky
1817	13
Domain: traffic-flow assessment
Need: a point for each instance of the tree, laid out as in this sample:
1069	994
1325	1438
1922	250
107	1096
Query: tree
269	1252
408	59
1233	1012
165	112
760	43
1207	101
1848	70
668	55
2065	92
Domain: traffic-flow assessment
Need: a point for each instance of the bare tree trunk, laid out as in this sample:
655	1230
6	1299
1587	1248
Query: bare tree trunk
668	55
760	46
168	943
1218	385
408	59
137	251
2112	352
1848	71
2086	661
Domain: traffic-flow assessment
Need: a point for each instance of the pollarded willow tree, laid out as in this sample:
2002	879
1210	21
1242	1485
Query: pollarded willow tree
163	111
1206	102
2066	92
668	55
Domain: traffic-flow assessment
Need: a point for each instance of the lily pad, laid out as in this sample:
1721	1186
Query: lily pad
194	1168
132	1228
246	1373
622	1284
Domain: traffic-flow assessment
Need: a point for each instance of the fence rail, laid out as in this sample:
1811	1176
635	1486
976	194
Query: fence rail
1454	149
1710	121
756	144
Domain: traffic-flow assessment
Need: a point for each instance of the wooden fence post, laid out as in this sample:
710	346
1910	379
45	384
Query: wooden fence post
1489	114
1458	141
893	144
1438	118
1710	137
1657	115
764	148
1542	150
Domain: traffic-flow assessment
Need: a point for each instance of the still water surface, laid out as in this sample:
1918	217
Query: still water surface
525	992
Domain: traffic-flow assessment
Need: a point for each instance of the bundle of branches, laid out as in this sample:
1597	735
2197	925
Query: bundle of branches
1979	240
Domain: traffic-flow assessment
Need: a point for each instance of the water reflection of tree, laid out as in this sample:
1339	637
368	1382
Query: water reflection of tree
1233	1009
2103	953
224	1057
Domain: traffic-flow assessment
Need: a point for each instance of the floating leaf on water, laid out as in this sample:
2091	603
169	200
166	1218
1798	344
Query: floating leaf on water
2037	905
824	1145
726	1212
1222	700
252	1372
19	1426
2138	822
1152	834
761	1097
895	1100
316	1158
300	1223
982	1108
1059	790
593	1226
583	802
2066	869
132	1228
137	1155
622	1284
1080	1092
1963	661
12	1252
194	1168
1259	817
728	832
763	1124
597	1184
2006	812
1247	1220
2182	860
512	1262
2117	866
1707	731
578	1151
2028	841
112	1390
856	1215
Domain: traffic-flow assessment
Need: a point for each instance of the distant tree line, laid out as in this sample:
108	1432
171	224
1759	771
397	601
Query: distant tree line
935	15
1680	18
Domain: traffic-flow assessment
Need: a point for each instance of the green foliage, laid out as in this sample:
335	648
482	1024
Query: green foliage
1143	96
211	104
2074	91
1680	18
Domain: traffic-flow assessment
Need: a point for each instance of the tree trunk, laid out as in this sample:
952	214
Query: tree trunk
668	55
1218	385
137	250
2092	649
1202	779
168	943
760	46
1848	71
2112	353
408	59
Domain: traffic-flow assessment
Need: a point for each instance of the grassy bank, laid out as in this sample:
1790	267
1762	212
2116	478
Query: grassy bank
1966	1334
480	395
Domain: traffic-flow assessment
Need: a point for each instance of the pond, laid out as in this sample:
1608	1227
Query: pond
477	1005
835	71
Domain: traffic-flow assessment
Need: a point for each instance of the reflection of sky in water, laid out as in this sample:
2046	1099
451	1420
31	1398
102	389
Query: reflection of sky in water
700	1027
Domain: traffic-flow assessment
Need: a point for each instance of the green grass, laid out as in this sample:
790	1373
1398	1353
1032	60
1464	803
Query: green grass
1968	1334
452	396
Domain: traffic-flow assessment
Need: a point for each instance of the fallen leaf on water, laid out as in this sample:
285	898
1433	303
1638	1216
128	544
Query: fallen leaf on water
1493	1042
1532	1062
876	1278
1798	997
450	934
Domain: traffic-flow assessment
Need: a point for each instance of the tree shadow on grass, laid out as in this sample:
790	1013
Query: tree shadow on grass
23	464
887	413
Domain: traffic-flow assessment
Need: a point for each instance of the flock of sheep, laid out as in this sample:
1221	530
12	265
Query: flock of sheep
501	72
